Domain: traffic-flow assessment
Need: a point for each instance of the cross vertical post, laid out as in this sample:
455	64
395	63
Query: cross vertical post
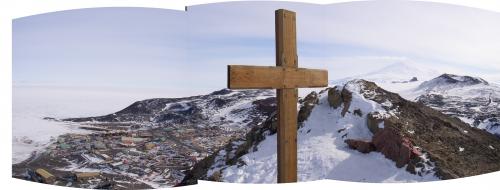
286	57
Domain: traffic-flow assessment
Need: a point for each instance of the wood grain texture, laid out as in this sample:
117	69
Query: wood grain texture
287	135
286	57
262	77
286	44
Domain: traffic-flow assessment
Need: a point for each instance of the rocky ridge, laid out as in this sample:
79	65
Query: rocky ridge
228	109
456	149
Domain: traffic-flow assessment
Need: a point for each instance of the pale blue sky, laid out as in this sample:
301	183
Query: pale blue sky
102	46
143	47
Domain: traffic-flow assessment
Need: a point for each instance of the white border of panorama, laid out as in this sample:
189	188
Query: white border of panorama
15	9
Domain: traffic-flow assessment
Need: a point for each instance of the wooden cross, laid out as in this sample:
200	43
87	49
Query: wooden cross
286	77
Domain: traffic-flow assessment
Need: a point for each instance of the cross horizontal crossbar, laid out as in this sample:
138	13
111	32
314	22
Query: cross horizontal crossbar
253	77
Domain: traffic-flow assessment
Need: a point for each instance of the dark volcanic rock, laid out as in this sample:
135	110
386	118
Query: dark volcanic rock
338	97
361	146
334	97
373	121
431	99
307	104
222	92
395	146
358	112
218	102
267	106
50	119
390	143
346	100
216	176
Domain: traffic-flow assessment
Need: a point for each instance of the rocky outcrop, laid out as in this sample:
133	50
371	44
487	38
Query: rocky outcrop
389	141
346	100
361	146
395	146
337	97
414	135
307	105
432	99
334	97
373	122
358	112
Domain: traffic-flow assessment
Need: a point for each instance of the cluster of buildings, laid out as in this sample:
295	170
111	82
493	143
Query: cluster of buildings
155	155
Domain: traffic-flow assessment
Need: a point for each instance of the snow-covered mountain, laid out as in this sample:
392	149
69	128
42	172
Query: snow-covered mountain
360	132
472	99
449	81
227	109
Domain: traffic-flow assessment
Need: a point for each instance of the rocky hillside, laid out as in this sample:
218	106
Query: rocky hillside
455	149
231	110
360	132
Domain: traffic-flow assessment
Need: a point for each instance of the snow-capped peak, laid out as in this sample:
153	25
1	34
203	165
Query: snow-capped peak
398	72
403	70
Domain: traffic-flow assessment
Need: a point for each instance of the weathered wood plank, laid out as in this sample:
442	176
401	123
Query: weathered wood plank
304	78
286	57
287	135
286	44
258	77
252	77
